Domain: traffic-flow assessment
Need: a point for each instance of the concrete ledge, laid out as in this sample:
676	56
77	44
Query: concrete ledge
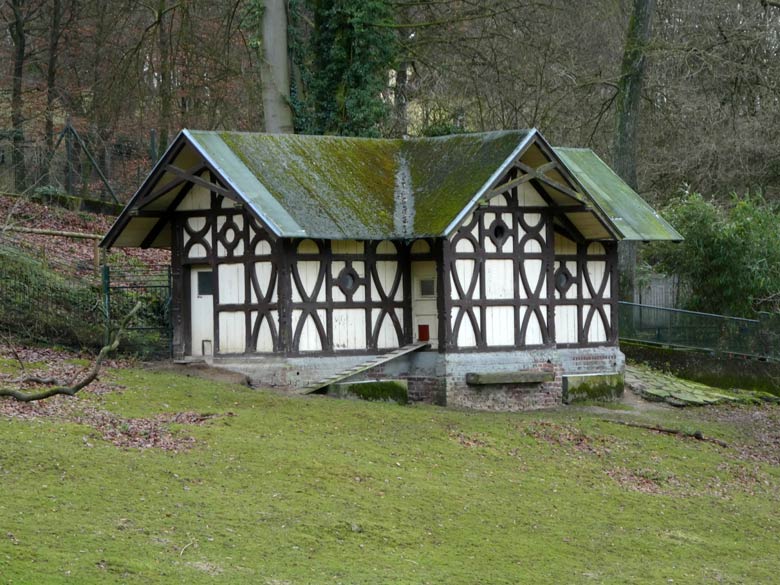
523	377
602	387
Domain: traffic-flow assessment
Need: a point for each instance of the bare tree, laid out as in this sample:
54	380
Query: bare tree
58	387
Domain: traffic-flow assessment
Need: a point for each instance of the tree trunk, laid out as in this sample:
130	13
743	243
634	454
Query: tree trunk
51	79
628	108
19	37
275	69
400	106
164	46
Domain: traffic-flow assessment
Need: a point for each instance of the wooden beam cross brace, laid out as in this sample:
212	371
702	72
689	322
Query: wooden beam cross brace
540	176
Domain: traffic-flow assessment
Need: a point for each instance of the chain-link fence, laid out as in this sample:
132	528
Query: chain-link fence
718	333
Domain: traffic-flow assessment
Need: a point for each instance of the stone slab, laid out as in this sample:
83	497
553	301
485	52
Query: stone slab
597	386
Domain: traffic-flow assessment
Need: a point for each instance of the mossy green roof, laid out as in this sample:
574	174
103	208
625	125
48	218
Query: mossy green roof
629	213
339	188
358	188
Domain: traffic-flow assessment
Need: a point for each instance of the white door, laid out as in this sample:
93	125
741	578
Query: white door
424	310
202	283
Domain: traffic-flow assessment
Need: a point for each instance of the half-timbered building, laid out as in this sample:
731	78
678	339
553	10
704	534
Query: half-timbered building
481	268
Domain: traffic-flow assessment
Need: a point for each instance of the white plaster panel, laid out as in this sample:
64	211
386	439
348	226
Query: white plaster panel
533	334
536	276
387	338
263	272
265	341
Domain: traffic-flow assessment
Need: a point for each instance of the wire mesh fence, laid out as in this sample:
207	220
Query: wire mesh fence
41	304
80	163
150	334
45	299
717	333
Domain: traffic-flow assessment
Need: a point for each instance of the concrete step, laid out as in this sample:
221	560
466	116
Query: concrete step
367	365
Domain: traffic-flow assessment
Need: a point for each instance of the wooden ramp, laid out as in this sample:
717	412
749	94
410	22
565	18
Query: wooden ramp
372	363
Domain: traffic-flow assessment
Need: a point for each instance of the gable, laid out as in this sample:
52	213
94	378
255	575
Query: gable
336	188
631	214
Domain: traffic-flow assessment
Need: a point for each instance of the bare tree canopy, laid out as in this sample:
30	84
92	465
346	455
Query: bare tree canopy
130	74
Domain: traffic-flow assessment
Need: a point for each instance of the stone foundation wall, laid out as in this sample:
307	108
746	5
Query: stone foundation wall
514	397
441	378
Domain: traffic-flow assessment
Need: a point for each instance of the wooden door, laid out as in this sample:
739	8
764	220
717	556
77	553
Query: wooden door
202	285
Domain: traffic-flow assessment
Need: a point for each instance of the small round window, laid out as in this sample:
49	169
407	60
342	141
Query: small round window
563	280
498	232
347	280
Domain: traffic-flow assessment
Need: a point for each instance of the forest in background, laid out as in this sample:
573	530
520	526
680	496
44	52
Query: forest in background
129	74
680	96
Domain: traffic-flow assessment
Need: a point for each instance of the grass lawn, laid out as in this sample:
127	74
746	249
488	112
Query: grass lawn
314	490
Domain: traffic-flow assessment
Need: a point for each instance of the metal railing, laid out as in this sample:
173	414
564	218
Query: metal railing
689	329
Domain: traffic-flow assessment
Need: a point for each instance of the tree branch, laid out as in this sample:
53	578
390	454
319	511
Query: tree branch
22	396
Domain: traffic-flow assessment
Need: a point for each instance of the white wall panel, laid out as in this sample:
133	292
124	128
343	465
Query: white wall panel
536	276
349	329
386	272
198	198
533	334
566	324
263	272
499	279
465	271
466	334
387	338
597	270
500	326
309	271
310	337
263	248
230	283
498	201
265	341
596	333
232	332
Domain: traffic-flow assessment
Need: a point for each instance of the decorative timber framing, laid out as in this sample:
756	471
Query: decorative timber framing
514	269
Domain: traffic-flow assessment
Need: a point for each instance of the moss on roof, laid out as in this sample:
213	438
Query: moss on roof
337	187
630	214
342	188
333	187
447	172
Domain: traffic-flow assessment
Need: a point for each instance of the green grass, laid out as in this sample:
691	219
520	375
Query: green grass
319	490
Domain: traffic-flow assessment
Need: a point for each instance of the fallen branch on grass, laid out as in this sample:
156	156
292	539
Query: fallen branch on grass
694	435
76	385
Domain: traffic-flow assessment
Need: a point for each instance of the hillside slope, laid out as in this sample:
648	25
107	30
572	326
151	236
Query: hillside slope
156	477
